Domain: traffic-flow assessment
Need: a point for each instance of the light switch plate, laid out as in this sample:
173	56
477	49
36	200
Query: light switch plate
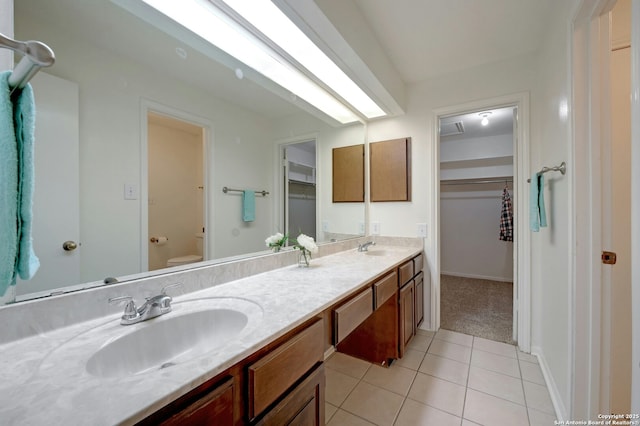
130	191
422	230
361	228
325	226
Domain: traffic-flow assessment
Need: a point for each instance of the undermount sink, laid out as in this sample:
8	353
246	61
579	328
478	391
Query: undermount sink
193	329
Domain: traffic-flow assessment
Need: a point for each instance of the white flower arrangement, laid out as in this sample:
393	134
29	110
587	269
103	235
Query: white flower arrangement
306	245
276	241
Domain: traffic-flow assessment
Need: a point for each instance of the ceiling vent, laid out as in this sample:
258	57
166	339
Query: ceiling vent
450	129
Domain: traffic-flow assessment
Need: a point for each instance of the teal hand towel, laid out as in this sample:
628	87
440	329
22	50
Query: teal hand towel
541	208
248	206
24	119
16	184
537	214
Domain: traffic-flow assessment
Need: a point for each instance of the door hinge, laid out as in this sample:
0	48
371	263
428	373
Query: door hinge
608	258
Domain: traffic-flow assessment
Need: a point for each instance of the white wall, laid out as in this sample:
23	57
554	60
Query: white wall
499	79
551	247
469	230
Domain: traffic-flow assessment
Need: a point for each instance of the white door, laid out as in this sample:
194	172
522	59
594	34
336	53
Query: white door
56	204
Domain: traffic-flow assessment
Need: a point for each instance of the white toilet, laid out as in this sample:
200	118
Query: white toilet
190	258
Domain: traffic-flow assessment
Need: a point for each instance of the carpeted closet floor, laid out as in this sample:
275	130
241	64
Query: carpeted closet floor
481	308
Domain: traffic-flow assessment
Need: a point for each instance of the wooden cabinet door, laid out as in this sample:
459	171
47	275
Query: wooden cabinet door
303	406
390	170
419	305
214	408
348	174
406	313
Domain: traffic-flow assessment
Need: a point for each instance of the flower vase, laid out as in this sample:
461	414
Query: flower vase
303	258
276	249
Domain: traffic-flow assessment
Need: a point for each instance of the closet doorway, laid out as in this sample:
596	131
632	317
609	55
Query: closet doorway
299	188
477	229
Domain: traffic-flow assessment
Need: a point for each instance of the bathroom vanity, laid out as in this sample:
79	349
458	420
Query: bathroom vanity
277	327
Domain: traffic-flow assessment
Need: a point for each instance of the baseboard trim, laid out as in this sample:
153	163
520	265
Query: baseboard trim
329	352
554	394
480	277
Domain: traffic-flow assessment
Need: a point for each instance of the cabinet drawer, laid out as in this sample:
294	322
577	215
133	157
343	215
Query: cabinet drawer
303	406
406	272
418	263
276	372
349	316
385	288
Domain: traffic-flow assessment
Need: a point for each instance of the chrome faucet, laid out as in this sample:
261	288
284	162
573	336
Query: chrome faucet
151	308
365	246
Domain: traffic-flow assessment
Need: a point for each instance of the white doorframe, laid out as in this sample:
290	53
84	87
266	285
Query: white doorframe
590	125
584	356
522	254
280	194
147	106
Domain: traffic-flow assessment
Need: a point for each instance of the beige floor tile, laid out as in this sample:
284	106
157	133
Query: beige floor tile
342	418
498	348
374	404
538	418
438	393
411	359
537	397
329	411
532	373
496	384
450	350
446	369
419	343
427	333
348	365
395	379
488	410
414	413
338	386
455	337
466	422
527	357
497	363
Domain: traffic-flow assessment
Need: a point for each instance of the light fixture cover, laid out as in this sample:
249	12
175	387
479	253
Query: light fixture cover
205	20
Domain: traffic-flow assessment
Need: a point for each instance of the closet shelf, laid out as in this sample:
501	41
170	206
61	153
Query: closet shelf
477	162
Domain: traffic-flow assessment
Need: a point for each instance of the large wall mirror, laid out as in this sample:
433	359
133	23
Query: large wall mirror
138	133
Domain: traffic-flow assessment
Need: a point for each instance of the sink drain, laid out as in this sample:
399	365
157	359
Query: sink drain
167	365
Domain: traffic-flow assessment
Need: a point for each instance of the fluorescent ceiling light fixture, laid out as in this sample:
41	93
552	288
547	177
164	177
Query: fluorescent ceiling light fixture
274	24
208	22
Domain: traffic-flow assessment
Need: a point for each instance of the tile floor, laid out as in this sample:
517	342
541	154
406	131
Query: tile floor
446	379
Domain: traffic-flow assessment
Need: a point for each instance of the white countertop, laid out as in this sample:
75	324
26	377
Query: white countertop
44	380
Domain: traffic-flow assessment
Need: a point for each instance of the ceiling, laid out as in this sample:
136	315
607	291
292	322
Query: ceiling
500	123
422	39
427	38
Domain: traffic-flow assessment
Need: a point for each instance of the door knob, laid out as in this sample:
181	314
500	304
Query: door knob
69	245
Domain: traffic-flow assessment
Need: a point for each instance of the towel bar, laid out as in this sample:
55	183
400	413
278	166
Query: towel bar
562	168
263	193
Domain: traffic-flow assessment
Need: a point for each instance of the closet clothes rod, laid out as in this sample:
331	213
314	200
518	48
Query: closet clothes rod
562	168
475	182
36	55
263	193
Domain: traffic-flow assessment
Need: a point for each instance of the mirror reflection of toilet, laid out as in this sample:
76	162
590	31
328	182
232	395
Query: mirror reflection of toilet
189	258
